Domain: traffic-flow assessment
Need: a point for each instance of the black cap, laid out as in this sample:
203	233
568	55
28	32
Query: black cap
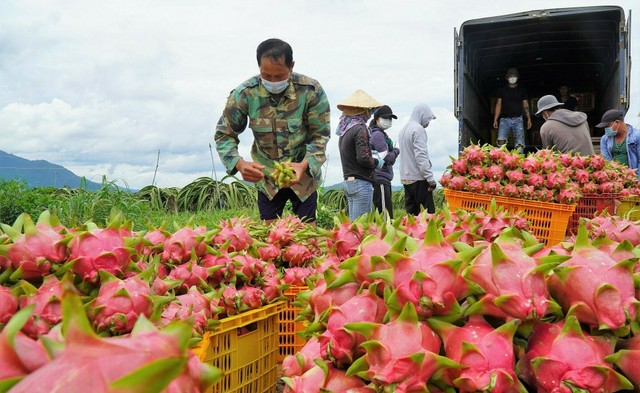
385	112
610	116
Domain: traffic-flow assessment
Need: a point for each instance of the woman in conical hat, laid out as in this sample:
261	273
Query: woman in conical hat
358	163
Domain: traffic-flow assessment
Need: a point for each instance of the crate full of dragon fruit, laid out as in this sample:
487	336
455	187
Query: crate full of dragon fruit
547	221
245	348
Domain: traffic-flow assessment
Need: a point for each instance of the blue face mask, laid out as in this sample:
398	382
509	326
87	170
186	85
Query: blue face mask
610	132
275	87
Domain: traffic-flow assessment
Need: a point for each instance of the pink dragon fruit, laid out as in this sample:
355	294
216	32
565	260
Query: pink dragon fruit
628	358
582	176
233	235
616	228
493	188
340	345
562	358
513	282
459	165
192	304
146	360
555	180
565	159
197	377
516	177
402	353
511	190
154	241
475	185
474	154
445	179
346	237
579	162
496	155
37	251
178	248
535	180
527	192
599	291
191	274
429	278
297	254
236	301
46	299
597	162
600	177
368	259
220	267
511	160
545	195
19	355
302	361
282	231
8	305
270	252
531	164
477	172
320	298
489	224
458	183
589	188
486	353
100	249
569	196
248	268
495	172
549	165
120	303
323	377
297	275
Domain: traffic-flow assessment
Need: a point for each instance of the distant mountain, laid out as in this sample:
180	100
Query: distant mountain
40	173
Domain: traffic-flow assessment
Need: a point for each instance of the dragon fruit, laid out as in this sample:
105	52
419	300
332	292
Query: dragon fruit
616	228
596	162
191	274
320	298
323	377
495	172
579	162
220	268
555	180
493	188
236	301
402	353
192	304
98	249
477	172
459	165
516	177
270	252
8	305
531	164
429	278
36	252
496	155
535	180
513	281
474	154
297	254
486	353
445	179
458	183
598	290
233	235
627	358
153	241
302	361
511	190
562	358
475	186
147	360
297	275
179	247
46	299
511	160
120	303
340	345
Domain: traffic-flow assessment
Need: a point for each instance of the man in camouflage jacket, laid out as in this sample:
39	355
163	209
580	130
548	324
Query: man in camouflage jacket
289	116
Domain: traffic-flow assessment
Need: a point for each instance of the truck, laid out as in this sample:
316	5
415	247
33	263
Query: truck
585	48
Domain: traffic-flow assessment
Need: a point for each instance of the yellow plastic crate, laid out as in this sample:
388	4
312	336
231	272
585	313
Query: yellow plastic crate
290	341
245	348
630	208
547	221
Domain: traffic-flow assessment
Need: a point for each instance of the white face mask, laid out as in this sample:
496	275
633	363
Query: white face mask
275	87
384	123
512	79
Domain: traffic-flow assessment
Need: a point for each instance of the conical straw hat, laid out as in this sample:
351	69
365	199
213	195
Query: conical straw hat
359	99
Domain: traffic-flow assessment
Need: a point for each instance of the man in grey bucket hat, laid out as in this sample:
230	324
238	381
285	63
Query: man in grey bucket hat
564	130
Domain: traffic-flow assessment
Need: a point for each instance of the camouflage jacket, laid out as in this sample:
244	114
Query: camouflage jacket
293	126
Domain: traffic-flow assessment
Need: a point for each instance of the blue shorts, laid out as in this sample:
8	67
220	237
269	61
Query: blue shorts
272	209
515	124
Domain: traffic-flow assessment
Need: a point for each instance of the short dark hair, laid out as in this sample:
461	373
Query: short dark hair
276	49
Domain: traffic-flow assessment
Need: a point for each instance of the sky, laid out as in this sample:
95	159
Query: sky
132	90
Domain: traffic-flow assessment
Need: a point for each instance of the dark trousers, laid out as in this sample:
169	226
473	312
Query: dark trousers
377	197
416	195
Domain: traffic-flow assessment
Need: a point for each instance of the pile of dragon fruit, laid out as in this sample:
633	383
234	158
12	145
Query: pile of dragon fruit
545	175
135	301
468	302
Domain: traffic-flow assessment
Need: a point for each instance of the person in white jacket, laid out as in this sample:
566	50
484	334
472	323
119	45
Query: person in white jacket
415	167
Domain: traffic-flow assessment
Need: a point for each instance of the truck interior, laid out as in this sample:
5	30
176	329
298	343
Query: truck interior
585	48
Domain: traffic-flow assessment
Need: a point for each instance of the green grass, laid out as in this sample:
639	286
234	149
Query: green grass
205	201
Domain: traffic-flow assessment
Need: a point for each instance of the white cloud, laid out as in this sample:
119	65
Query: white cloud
100	87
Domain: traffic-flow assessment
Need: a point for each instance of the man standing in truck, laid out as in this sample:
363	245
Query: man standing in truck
511	104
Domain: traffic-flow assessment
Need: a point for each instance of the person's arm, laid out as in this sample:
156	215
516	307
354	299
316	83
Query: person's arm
604	150
232	123
527	113
496	115
318	134
421	153
363	149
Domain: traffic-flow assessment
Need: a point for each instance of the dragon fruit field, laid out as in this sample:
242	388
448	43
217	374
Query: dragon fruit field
452	301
